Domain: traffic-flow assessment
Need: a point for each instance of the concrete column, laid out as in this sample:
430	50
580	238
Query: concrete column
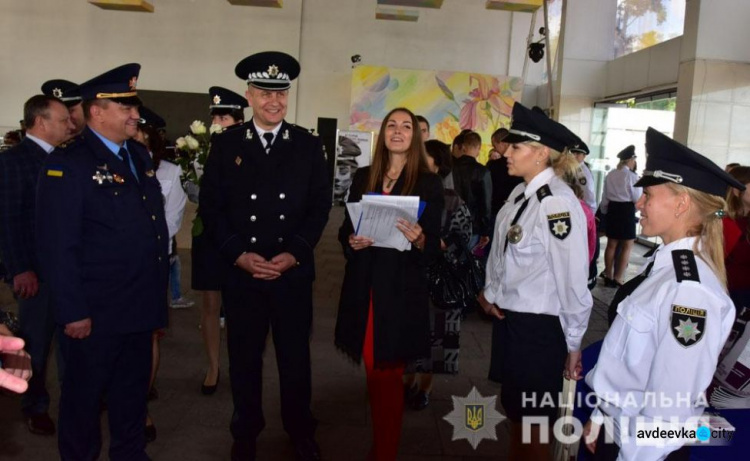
713	90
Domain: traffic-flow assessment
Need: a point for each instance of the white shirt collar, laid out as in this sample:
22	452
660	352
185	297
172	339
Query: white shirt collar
663	256
538	181
261	131
48	148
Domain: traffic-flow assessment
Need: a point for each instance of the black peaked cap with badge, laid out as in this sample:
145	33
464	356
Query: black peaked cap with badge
670	161
66	91
118	84
627	153
268	70
533	125
151	118
221	98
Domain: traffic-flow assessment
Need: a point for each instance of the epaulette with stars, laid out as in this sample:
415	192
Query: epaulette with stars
543	192
685	267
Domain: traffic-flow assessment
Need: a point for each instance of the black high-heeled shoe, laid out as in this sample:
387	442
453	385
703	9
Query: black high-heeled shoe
210	390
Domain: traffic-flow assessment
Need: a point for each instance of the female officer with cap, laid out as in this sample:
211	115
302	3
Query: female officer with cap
618	203
673	319
537	274
226	109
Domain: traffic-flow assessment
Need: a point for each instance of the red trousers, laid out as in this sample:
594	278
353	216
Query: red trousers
386	393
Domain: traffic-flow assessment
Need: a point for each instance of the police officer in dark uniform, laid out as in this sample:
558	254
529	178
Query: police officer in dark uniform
265	198
102	243
70	95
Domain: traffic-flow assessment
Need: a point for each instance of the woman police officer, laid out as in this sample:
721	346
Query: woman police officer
673	319
537	274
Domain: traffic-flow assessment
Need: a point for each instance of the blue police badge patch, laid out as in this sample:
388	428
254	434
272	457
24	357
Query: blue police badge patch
687	324
474	417
559	224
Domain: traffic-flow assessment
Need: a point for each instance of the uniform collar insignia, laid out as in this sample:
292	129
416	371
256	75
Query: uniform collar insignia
249	134
285	135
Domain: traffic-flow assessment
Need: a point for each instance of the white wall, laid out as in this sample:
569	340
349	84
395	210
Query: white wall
190	45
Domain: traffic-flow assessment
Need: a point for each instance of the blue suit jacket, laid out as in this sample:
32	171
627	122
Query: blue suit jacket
19	170
102	238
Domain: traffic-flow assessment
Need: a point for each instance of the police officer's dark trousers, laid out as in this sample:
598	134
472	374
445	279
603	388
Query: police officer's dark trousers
112	366
252	306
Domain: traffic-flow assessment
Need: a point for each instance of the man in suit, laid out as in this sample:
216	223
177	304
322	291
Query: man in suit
265	198
103	247
69	94
47	125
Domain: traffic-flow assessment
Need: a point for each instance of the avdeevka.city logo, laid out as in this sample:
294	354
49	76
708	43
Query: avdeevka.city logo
474	418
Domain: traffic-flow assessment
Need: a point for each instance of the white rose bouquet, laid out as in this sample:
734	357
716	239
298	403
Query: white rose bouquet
192	150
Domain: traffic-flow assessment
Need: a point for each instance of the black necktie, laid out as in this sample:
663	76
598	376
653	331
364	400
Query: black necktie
123	153
516	217
625	291
269	140
126	159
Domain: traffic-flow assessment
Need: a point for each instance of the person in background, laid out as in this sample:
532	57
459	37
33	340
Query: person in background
457	145
618	205
502	182
473	184
586	182
445	325
536	278
738	259
424	128
175	200
729	166
69	94
383	314
671	320
226	109
48	125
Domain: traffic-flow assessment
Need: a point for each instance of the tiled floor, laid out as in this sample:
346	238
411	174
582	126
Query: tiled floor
194	427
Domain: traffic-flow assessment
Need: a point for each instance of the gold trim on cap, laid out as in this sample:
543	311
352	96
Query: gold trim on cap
116	95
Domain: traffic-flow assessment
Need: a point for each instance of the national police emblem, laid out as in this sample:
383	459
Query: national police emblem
687	324
474	418
559	224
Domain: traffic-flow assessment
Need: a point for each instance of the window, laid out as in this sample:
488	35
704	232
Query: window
644	23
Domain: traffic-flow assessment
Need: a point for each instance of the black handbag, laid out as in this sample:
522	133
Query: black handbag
456	279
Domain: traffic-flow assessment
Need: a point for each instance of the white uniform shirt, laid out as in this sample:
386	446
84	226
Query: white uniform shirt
650	349
586	181
547	270
619	186
175	198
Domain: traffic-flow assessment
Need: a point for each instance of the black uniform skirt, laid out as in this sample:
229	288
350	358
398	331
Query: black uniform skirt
208	268
621	220
534	359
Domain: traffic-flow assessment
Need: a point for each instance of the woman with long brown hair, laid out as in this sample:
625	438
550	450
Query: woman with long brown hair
383	314
661	352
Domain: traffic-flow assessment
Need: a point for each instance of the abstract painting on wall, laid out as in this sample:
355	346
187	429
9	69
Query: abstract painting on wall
450	101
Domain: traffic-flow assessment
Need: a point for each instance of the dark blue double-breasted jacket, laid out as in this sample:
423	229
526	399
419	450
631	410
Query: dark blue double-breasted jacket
102	238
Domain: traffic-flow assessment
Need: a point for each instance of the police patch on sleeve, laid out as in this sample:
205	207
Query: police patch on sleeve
559	224
687	324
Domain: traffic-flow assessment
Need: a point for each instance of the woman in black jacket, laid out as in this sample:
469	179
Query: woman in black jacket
383	313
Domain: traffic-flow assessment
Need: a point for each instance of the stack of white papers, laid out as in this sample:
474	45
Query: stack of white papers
375	217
